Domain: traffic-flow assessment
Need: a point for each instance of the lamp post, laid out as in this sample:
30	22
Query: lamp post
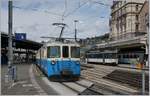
75	21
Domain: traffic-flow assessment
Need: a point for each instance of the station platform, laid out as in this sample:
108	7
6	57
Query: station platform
27	82
131	66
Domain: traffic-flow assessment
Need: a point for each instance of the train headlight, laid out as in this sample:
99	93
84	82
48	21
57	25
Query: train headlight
77	62
53	61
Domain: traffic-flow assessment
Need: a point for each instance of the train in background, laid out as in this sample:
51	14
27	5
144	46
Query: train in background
58	59
130	58
114	58
102	57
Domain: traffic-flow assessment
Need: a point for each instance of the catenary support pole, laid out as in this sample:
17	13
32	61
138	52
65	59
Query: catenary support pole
10	48
75	21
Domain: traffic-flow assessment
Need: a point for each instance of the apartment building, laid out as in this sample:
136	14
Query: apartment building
124	22
144	18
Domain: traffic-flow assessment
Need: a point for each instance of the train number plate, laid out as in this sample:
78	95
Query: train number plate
66	72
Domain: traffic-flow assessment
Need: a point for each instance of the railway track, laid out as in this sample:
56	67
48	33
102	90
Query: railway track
92	83
96	75
81	88
115	87
132	79
94	89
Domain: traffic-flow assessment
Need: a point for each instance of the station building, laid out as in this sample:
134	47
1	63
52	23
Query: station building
129	25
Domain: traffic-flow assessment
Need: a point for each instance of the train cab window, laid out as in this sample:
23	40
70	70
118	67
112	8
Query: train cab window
75	52
99	55
65	51
53	52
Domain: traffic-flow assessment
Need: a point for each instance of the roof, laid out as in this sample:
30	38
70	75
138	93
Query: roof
58	43
24	44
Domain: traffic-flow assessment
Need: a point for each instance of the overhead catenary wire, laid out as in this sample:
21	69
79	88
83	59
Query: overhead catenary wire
76	9
65	4
33	9
64	15
99	2
80	5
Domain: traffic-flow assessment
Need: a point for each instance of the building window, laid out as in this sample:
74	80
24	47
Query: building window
147	19
137	17
124	1
137	7
137	27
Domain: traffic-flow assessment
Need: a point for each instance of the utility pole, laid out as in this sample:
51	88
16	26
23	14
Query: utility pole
75	21
147	41
10	48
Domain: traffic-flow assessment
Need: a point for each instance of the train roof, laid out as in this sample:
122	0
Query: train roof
58	43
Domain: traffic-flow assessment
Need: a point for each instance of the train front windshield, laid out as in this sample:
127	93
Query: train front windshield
75	52
53	52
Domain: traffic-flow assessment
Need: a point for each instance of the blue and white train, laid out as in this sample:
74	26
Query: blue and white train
102	57
59	59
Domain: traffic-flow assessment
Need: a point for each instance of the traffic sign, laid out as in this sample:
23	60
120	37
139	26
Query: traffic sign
20	36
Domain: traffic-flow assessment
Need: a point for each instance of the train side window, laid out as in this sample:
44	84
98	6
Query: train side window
65	51
125	56
91	55
75	52
96	56
104	55
99	55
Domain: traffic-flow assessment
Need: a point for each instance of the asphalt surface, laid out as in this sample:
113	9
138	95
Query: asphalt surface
26	84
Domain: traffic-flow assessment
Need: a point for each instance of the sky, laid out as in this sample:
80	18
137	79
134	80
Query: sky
35	17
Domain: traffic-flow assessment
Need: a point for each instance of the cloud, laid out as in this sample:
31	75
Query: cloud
39	23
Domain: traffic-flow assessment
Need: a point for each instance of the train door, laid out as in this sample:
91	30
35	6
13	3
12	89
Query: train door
45	58
65	51
65	55
41	58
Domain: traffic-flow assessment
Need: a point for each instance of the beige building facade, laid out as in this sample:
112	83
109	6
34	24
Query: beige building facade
144	24
124	22
144	18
